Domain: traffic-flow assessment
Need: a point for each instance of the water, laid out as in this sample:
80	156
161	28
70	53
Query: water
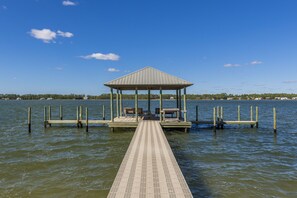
68	162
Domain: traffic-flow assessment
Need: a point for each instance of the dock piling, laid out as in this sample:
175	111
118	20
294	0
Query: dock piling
222	115
196	113
274	120
49	114
77	117
214	119
257	117
44	117
80	116
29	119
87	120
103	112
251	111
238	112
61	112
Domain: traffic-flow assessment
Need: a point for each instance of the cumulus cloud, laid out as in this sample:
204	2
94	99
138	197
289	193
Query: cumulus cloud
69	3
64	34
47	35
113	70
99	56
231	65
256	62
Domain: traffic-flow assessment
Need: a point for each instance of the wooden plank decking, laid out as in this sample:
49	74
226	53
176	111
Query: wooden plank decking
149	168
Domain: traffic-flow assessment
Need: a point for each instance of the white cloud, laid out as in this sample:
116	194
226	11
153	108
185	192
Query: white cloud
4	7
231	65
290	81
46	35
113	70
64	34
99	56
256	62
69	3
59	68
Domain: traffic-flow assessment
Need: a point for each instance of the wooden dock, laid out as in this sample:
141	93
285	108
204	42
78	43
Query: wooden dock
149	168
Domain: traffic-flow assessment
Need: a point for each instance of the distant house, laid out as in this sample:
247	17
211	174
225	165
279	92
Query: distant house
294	98
229	98
258	98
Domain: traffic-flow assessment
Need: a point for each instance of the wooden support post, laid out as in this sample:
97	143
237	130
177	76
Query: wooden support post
257	117
177	98
214	120
136	105
121	103
87	120
117	102
222	118
77	117
197	113
111	105
49	114
251	111
149	102
274	120
80	116
44	117
185	104
103	112
161	105
238	113
61	112
180	103
29	119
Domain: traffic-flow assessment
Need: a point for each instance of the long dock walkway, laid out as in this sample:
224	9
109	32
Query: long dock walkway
149	168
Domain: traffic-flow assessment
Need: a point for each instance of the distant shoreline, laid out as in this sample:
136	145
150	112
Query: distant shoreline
222	96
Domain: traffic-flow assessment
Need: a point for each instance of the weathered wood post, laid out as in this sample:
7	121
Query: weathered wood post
214	119
44	117
149	101
49	115
77	117
111	105
103	112
257	117
29	119
180	103
238	112
274	120
161	105
80	116
136	105
197	114
251	111
117	102
61	112
121	103
185	104
222	119
87	120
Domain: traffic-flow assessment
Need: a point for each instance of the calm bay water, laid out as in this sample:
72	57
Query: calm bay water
68	162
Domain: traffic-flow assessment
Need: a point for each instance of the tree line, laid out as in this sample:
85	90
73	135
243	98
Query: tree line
220	96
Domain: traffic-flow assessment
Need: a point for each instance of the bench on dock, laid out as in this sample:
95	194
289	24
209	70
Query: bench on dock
131	111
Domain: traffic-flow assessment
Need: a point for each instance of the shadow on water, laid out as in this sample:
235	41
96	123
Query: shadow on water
189	166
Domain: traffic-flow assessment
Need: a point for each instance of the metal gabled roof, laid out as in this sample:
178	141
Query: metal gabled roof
148	78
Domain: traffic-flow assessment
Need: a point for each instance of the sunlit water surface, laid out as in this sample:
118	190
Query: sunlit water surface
63	161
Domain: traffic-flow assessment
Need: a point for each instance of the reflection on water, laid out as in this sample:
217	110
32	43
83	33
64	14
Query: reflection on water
66	161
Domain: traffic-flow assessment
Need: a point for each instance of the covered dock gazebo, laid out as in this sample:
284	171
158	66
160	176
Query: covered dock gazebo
148	79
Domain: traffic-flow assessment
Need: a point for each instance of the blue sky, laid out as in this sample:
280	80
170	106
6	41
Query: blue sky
56	46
